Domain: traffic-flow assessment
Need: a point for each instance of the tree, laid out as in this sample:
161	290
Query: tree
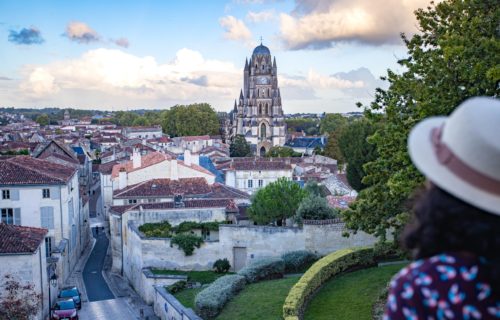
314	207
240	147
331	122
43	119
282	152
310	126
18	300
190	120
332	148
276	202
453	57
357	151
140	121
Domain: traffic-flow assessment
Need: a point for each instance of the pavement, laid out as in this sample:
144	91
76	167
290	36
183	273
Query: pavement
114	309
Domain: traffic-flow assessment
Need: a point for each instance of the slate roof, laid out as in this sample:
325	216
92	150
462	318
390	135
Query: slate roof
260	165
307	142
18	239
25	170
228	204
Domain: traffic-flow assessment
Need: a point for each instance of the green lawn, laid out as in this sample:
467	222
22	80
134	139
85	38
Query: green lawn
193	276
186	297
351	295
259	301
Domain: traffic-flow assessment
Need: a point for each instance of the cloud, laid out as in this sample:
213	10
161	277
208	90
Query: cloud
370	83
112	72
318	24
262	16
121	42
26	36
5	78
235	29
80	32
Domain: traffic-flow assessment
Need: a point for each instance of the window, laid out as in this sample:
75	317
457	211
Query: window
261	183
47	217
250	184
263	131
151	200
5	194
7	215
46	193
48	246
132	201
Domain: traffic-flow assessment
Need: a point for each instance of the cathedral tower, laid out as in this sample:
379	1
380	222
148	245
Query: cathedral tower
257	112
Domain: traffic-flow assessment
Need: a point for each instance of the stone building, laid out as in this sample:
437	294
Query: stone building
257	113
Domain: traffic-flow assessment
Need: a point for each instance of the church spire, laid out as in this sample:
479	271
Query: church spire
246	64
274	63
235	108
241	94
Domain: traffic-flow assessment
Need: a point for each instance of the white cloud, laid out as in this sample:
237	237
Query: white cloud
81	32
320	23
121	42
235	29
261	16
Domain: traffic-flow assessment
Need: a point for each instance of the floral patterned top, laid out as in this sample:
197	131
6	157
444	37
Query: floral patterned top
445	286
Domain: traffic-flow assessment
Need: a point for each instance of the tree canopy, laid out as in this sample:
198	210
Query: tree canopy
190	120
43	119
454	56
276	202
239	147
331	122
282	152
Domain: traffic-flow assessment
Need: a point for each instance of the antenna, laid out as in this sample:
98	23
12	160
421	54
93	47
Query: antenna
260	40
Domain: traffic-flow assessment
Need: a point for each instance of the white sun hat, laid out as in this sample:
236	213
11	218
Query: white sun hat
461	153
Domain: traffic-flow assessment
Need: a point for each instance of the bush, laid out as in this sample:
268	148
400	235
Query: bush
314	207
158	230
210	301
221	265
176	287
388	250
297	261
187	242
263	269
321	271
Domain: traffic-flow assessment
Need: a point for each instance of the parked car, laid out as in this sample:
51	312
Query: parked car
73	293
64	309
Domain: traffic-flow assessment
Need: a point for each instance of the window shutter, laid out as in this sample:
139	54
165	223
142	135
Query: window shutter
14	194
55	193
17	216
47	216
43	217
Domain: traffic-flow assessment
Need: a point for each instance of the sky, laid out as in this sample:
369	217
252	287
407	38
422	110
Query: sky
124	55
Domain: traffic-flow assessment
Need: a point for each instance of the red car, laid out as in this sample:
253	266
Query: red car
64	309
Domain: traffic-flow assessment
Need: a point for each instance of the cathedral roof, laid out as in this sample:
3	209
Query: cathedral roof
261	49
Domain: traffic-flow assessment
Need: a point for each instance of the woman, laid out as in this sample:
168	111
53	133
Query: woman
455	232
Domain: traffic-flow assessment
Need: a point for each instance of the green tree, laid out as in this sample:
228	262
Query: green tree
331	122
140	121
281	152
332	148
314	207
357	151
239	147
453	57
190	120
310	126
43	119
276	202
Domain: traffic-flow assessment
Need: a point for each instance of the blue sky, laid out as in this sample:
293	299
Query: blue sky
155	54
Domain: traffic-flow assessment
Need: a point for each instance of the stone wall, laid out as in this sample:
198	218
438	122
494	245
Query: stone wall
167	307
151	280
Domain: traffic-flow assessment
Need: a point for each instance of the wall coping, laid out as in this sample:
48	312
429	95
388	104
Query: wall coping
176	304
260	227
323	222
149	274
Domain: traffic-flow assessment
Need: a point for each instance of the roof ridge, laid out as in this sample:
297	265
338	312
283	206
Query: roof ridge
35	169
132	187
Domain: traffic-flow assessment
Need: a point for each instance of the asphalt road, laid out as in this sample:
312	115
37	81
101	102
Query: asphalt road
97	288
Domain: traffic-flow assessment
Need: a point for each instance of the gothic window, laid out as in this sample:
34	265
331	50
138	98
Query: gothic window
268	92
262	67
263	131
260	108
267	110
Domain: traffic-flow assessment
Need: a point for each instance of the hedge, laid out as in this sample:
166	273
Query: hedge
263	269
210	301
297	261
319	273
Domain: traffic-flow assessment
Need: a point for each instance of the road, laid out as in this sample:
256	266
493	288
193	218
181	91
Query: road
114	309
97	288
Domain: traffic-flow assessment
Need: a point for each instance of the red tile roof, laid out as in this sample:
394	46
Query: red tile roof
17	239
146	161
26	170
164	187
260	165
194	138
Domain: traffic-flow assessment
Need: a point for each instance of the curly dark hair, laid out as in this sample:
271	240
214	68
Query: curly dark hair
444	223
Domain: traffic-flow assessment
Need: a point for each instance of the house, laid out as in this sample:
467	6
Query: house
142	132
251	175
193	143
306	145
22	257
43	194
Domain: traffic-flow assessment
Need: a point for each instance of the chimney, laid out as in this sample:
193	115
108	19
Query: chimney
122	179
174	171
195	158
187	157
136	158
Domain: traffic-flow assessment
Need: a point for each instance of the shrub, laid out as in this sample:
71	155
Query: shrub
263	269
297	261
385	250
210	301
159	230
314	207
221	265
176	287
187	242
321	271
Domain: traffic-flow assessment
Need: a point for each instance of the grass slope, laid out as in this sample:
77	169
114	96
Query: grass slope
194	276
186	297
259	301
351	295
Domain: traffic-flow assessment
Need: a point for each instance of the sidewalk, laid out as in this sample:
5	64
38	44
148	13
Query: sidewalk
76	279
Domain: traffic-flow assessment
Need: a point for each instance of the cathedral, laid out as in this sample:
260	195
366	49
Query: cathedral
257	113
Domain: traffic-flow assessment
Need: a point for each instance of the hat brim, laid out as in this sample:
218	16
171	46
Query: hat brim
423	156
